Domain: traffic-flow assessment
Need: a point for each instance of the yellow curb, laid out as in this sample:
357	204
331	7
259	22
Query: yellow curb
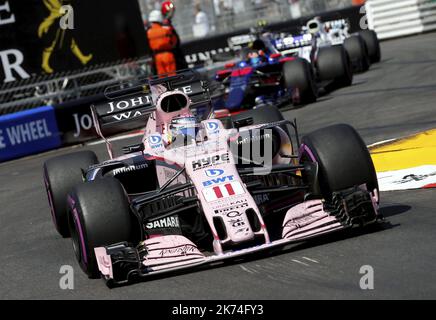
414	151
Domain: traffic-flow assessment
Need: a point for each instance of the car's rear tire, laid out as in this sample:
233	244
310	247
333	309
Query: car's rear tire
358	53
334	64
99	215
373	44
61	174
343	159
298	76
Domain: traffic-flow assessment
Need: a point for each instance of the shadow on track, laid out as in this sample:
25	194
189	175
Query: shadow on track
430	124
431	87
409	62
394	210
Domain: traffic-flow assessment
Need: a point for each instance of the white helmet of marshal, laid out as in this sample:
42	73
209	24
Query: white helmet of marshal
155	16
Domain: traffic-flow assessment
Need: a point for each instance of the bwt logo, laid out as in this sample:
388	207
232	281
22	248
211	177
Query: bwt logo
212	173
218	181
212	127
155	140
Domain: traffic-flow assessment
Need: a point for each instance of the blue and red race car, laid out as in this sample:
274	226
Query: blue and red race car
262	75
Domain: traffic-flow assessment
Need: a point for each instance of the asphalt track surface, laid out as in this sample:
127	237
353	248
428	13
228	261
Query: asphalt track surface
395	98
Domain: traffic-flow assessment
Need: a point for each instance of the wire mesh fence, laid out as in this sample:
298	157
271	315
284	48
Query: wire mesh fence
62	87
230	15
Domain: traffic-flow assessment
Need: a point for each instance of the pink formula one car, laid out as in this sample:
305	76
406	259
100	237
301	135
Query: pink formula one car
198	192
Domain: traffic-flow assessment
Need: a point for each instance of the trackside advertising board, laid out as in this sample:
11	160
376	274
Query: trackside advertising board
28	132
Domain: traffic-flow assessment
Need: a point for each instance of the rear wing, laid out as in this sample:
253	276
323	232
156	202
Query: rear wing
337	24
236	43
129	104
289	41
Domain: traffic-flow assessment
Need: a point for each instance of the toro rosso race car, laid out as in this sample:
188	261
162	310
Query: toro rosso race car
280	69
195	192
263	76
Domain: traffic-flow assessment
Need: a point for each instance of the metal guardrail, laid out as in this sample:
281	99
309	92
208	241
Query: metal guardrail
397	18
62	87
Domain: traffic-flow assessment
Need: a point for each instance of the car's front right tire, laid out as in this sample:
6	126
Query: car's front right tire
343	159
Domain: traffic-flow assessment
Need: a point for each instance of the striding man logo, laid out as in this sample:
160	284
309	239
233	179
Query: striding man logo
55	30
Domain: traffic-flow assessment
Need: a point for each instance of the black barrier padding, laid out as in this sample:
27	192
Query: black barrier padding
110	30
75	121
118	114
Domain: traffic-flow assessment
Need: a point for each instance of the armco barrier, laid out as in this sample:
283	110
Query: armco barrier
28	132
397	18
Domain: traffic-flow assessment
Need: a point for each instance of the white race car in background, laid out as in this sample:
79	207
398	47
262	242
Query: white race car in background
363	47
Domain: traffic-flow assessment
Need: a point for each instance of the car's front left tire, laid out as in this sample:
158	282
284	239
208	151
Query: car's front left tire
99	215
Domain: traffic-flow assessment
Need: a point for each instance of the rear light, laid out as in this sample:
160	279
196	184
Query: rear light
229	65
275	56
286	59
222	113
222	74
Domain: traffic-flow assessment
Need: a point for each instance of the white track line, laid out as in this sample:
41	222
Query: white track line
245	269
381	142
304	264
311	260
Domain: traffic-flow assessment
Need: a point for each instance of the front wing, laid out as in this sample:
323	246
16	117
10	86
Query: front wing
350	208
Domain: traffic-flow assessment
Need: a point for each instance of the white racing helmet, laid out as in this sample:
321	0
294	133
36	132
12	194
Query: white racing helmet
314	25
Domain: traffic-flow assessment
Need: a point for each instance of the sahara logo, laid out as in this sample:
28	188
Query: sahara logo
168	222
